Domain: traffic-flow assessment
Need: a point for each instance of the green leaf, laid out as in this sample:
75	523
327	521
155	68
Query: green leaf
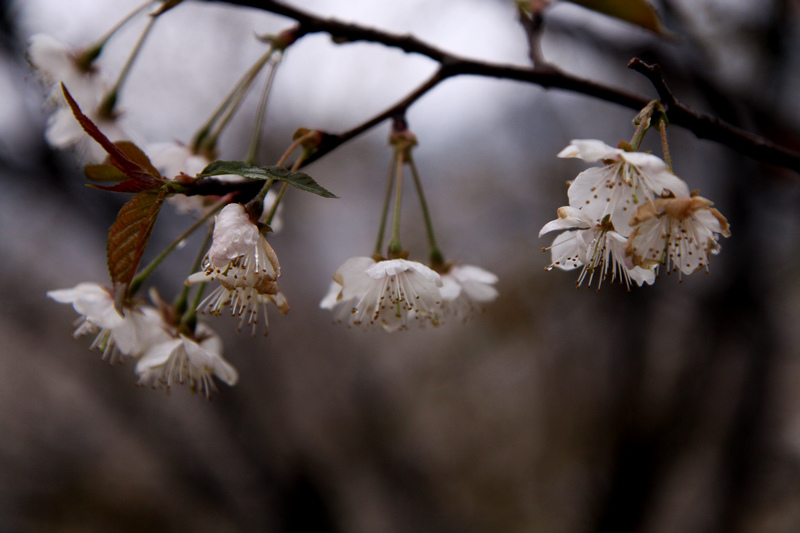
300	180
638	12
128	235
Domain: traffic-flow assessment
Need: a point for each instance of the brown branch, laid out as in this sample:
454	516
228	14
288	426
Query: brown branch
708	127
702	125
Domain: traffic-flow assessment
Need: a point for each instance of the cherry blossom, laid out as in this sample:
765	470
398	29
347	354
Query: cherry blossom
245	265
624	182
391	293
118	334
181	359
595	246
465	288
680	233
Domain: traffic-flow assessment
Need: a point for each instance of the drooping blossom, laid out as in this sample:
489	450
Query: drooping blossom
117	334
392	293
58	63
626	181
679	233
465	289
595	246
181	360
246	267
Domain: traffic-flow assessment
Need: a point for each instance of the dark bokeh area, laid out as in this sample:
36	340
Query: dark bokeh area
674	407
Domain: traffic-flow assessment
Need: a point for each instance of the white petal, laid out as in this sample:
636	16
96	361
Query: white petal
618	245
590	150
200	277
647	244
392	293
48	54
62	129
706	218
332	297
568	250
172	159
157	355
476	282
655	175
234	235
352	275
206	357
591	190
568	218
91	300
393	267
451	289
142	328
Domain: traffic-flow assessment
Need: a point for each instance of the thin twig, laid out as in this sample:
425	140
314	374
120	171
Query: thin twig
533	24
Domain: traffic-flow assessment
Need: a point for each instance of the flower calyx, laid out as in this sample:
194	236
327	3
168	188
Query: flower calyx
282	40
403	140
309	139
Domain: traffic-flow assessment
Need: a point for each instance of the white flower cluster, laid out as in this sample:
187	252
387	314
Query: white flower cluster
164	356
396	292
246	267
630	216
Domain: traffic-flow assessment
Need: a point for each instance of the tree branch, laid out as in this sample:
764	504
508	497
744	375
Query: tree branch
702	125
707	127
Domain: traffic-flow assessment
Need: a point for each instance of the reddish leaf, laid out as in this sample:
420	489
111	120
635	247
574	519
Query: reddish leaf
130	167
129	234
124	186
103	172
137	156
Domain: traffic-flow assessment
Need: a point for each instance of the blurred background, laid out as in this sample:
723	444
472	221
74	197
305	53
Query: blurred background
669	408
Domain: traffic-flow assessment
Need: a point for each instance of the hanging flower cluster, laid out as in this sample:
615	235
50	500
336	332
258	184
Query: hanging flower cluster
629	217
168	343
395	292
388	292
